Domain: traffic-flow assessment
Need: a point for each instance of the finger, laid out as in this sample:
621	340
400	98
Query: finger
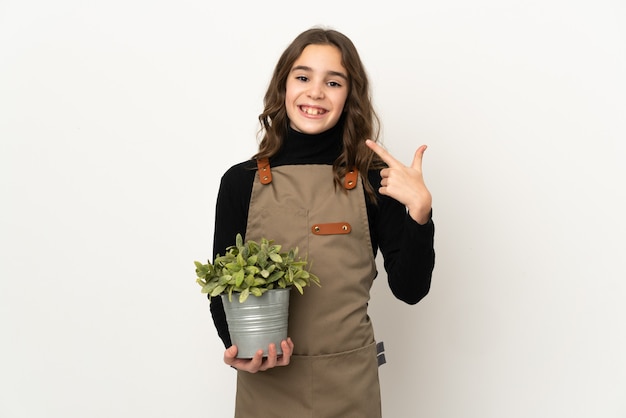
270	361
230	355
418	158
287	346
255	363
382	153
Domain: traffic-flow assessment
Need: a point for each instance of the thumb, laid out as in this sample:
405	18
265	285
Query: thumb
231	352
418	157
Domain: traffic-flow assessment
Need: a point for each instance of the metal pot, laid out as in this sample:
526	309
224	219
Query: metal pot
258	321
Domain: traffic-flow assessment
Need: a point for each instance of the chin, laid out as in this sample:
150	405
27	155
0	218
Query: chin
306	128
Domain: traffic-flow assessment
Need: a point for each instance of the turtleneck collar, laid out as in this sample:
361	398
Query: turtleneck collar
301	148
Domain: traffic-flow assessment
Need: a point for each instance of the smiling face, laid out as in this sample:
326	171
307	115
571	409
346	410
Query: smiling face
317	89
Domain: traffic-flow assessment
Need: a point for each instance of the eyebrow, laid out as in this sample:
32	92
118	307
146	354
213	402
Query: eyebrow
332	73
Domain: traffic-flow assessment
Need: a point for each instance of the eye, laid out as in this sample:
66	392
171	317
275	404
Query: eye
334	84
302	78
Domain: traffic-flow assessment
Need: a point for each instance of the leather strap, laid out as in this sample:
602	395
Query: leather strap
349	182
335	228
265	173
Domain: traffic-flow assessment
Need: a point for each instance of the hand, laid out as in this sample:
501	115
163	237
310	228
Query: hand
258	363
405	184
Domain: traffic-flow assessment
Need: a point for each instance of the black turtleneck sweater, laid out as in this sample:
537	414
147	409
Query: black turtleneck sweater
406	246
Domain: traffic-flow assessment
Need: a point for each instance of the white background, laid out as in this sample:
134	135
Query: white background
117	119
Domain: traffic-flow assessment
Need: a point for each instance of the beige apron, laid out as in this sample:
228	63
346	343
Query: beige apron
334	370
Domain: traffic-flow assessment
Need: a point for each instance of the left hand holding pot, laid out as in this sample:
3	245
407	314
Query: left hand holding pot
258	363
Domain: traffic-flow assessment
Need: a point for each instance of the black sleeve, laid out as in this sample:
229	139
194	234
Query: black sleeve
231	217
406	246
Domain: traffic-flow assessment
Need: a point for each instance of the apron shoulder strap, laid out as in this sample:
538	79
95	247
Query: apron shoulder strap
265	173
349	181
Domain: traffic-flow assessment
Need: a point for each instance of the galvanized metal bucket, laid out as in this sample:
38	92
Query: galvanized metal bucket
258	321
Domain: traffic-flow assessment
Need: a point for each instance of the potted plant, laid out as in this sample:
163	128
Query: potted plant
254	280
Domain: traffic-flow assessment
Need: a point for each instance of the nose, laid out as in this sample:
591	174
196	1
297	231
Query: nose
316	91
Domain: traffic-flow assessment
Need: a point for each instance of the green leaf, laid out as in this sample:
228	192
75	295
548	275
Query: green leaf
313	278
275	276
253	247
221	260
210	287
254	270
244	295
239	276
244	252
259	282
217	290
276	257
299	287
262	259
233	266
249	279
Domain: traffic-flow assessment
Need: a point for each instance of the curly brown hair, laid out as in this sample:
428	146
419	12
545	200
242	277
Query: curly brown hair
361	120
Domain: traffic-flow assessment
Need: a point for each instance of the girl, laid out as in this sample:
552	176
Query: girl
329	189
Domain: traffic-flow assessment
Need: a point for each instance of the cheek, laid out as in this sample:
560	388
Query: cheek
290	98
290	91
341	102
289	101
